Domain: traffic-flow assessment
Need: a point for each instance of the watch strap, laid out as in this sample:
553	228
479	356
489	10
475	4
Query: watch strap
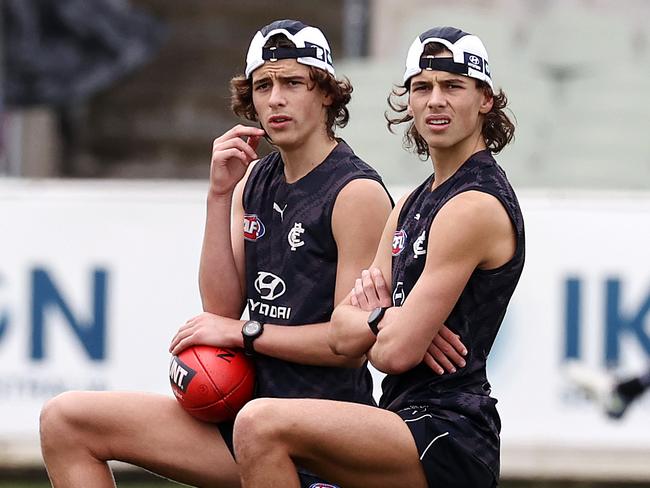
249	349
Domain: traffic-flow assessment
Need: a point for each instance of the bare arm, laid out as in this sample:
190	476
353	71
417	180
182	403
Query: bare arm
349	334
471	231
221	272
359	215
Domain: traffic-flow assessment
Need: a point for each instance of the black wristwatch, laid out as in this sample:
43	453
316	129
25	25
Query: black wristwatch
251	330
375	317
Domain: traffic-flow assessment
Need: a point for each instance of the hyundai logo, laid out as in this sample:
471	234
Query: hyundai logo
269	286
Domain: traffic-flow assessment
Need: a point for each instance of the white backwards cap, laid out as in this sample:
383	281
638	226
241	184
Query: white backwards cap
469	56
311	48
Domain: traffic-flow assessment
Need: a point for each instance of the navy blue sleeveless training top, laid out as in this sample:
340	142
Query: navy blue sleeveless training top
461	399
291	260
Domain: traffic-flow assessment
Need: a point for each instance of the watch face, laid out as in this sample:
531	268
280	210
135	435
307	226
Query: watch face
251	328
375	315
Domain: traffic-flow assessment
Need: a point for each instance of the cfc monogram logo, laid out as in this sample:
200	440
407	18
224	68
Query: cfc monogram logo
294	236
418	246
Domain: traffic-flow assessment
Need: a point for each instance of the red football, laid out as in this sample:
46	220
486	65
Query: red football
212	383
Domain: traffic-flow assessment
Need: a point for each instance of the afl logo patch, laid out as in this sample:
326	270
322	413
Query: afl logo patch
399	242
253	227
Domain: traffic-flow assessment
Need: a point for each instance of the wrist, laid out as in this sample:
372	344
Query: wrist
375	317
219	197
237	338
251	330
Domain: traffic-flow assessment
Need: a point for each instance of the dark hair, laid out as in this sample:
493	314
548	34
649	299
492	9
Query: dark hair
338	115
498	130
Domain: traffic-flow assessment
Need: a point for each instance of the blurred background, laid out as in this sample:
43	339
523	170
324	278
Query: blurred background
108	109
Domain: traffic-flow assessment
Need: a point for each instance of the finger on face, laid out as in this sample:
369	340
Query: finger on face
223	148
253	142
242	131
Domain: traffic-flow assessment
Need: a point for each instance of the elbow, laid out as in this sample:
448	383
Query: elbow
351	362
338	345
346	356
395	361
342	344
334	335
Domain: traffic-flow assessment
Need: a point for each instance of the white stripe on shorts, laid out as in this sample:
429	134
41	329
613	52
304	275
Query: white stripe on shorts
431	443
419	418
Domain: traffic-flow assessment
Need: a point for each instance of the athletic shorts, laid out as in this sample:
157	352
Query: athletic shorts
306	480
445	463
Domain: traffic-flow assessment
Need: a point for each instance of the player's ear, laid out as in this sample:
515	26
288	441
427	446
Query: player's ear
409	110
487	100
327	100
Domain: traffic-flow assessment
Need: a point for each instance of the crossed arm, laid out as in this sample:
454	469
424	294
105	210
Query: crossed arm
477	233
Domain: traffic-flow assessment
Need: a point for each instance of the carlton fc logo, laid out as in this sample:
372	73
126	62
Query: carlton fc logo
399	242
253	227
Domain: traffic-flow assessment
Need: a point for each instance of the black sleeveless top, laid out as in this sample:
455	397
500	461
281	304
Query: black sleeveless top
461	399
291	262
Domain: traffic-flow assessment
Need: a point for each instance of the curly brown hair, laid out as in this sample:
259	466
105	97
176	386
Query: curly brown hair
498	130
339	91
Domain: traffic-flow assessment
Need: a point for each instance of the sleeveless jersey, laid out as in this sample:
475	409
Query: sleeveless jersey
462	399
291	262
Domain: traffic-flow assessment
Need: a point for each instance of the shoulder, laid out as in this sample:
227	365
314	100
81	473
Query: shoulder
473	213
361	196
361	189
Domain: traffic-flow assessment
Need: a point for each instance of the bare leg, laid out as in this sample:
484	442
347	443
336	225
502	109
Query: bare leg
81	431
348	444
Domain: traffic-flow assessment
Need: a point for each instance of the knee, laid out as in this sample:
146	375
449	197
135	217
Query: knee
259	427
57	420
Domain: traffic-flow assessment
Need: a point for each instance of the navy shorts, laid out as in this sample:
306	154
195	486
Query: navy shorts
444	461
306	480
